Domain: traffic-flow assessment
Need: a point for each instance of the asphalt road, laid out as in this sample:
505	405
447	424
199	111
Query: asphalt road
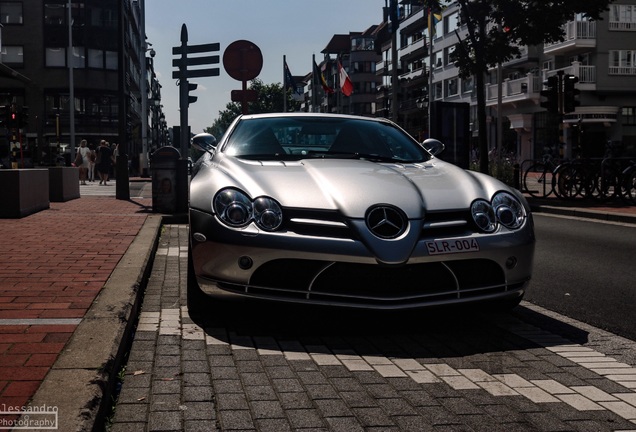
585	270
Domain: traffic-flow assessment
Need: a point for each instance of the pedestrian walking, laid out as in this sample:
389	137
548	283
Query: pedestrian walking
104	162
83	161
92	157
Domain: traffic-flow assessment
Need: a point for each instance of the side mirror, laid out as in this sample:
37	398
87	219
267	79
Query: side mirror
204	142
433	146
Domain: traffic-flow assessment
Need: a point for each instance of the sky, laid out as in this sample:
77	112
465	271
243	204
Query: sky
296	29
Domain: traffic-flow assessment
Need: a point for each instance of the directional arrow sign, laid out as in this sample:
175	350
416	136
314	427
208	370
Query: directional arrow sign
191	49
196	61
196	73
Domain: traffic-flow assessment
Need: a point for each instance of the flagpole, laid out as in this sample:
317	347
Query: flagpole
284	84
431	95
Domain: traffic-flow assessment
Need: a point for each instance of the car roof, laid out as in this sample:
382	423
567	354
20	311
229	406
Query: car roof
314	115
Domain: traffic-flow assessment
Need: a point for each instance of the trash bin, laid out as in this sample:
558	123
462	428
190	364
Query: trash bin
163	164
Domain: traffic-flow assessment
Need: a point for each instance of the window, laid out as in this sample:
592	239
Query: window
467	85
451	23
12	54
55	13
103	16
628	115
79	57
622	17
111	60
55	57
362	44
622	62
451	87
438	93
447	55
10	13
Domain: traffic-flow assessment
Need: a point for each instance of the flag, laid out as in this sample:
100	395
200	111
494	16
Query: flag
434	16
291	83
346	86
322	79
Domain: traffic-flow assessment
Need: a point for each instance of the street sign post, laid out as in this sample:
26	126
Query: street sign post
183	73
243	61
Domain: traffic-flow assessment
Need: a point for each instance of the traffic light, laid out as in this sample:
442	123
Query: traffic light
551	94
191	87
13	120
570	93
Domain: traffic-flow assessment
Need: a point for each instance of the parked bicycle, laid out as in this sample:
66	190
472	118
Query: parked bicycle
537	178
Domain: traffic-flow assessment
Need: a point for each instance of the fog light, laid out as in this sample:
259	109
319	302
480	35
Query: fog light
199	237
511	263
245	262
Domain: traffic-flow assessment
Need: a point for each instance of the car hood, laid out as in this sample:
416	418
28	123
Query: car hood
350	186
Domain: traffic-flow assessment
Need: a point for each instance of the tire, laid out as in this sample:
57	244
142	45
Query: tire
537	180
196	299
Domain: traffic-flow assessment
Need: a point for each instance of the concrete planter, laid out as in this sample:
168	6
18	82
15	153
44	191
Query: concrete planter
23	192
63	184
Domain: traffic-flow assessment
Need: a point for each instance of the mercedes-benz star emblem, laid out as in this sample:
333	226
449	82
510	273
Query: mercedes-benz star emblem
386	222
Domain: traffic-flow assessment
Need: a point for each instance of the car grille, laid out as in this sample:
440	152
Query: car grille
323	223
374	285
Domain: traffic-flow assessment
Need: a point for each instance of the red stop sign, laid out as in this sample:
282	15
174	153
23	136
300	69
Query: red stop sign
243	60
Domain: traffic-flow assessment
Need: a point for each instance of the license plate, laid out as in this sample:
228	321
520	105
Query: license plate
439	247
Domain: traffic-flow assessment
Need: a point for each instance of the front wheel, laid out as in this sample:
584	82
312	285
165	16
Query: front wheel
537	180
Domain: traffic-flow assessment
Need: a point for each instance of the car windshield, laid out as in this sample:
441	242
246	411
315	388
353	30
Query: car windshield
295	138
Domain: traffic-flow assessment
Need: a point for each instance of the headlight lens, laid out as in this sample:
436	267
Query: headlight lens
504	209
509	210
233	207
236	209
267	214
484	216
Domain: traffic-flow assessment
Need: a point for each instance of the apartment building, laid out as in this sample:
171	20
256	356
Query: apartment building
600	54
91	86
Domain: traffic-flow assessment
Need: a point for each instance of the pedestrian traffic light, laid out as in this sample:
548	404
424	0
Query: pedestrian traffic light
551	93
191	87
570	93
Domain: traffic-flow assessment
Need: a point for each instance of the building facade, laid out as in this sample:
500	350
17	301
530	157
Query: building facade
414	71
65	89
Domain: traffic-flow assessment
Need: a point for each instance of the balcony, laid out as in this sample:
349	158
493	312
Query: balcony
579	35
529	87
416	48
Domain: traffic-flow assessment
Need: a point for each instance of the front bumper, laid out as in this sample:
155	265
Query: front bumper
342	271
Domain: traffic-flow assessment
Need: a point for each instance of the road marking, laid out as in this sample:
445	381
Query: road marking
40	321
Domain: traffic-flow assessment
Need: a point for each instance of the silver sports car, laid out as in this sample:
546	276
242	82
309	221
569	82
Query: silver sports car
350	211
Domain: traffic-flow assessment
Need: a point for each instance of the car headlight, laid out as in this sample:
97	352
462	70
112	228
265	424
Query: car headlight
233	207
503	209
236	209
510	213
484	216
267	214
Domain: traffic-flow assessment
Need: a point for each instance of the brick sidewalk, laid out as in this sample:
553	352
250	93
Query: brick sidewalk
54	264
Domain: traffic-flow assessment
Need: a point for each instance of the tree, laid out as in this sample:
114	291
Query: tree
495	31
270	99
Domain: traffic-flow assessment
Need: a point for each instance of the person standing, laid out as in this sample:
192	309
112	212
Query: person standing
83	154
104	157
92	157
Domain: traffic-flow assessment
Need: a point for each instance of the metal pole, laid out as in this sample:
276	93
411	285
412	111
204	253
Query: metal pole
71	84
143	161
183	94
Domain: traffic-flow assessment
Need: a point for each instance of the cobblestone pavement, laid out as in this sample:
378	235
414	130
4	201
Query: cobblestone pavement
279	368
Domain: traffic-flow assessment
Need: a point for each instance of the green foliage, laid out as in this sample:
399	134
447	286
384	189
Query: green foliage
497	28
270	100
